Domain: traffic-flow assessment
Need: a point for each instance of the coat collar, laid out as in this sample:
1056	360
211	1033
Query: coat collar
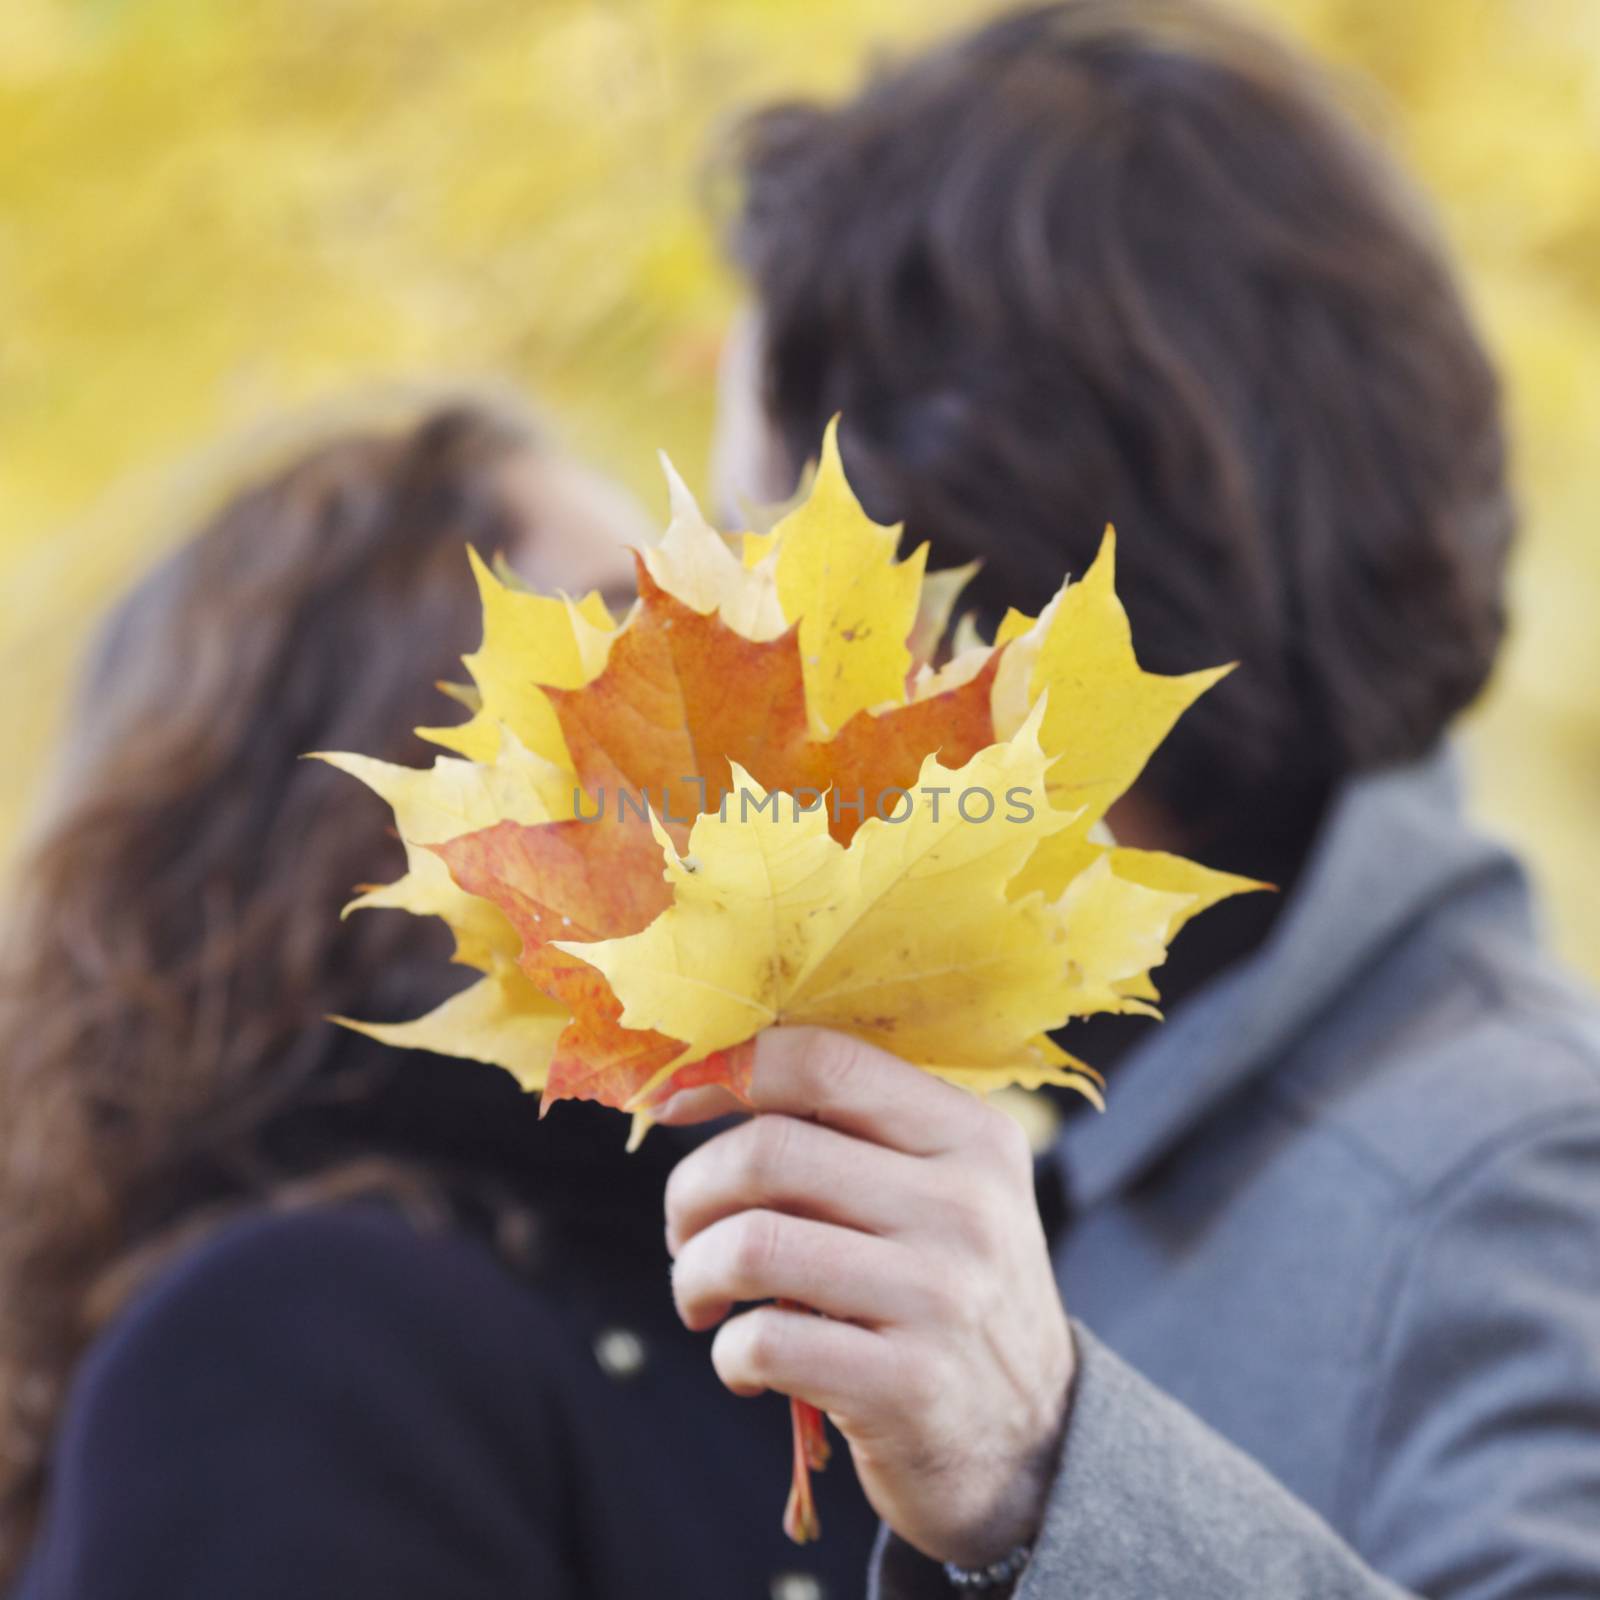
1393	848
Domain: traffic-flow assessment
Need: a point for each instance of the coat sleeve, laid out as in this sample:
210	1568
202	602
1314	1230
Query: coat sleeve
1150	1503
291	1413
1474	1475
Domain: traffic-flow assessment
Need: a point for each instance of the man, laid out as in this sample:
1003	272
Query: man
1333	1256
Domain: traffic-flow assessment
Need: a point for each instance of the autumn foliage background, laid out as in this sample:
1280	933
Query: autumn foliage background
216	215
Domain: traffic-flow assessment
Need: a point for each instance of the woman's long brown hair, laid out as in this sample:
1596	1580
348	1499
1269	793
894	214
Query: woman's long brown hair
175	941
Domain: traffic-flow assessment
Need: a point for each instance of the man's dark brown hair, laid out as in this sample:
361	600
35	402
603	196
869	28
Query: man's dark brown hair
1124	260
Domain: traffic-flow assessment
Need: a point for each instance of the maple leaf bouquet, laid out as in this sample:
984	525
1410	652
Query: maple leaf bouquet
755	799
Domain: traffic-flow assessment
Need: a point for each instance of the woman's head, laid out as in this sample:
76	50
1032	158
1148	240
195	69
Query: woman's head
1121	260
192	862
175	943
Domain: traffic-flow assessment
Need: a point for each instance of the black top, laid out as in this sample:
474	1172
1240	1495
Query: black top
336	1403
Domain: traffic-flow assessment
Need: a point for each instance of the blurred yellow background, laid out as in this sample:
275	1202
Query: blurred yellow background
214	213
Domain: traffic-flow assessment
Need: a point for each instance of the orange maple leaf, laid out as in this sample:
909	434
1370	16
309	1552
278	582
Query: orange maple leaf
683	695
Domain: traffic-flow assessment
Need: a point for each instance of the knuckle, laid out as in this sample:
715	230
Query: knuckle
767	1148
742	1160
685	1291
973	1220
946	1207
679	1190
1003	1139
974	1229
829	1063
730	1360
762	1342
754	1246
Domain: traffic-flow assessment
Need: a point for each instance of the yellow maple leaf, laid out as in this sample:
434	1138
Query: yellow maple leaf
906	938
855	604
695	564
935	605
531	642
1107	714
1115	931
1194	888
503	1019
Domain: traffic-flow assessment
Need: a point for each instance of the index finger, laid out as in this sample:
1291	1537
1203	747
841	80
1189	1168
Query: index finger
843	1083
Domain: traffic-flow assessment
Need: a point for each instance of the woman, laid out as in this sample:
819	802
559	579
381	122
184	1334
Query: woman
283	1312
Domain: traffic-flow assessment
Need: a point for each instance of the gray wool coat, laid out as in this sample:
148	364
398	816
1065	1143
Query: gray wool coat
1334	1260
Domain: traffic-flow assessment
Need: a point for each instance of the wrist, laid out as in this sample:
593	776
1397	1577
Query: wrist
1013	1518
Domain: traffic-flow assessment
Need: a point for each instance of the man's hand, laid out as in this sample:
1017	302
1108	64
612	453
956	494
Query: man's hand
903	1209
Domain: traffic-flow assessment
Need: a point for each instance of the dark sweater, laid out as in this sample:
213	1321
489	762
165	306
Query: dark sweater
334	1403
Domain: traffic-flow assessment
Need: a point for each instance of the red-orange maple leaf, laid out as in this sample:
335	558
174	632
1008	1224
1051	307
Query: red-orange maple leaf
681	696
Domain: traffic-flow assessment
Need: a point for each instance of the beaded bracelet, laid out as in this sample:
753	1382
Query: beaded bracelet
977	1579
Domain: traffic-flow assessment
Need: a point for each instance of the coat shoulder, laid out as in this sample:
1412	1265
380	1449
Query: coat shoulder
1460	1047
